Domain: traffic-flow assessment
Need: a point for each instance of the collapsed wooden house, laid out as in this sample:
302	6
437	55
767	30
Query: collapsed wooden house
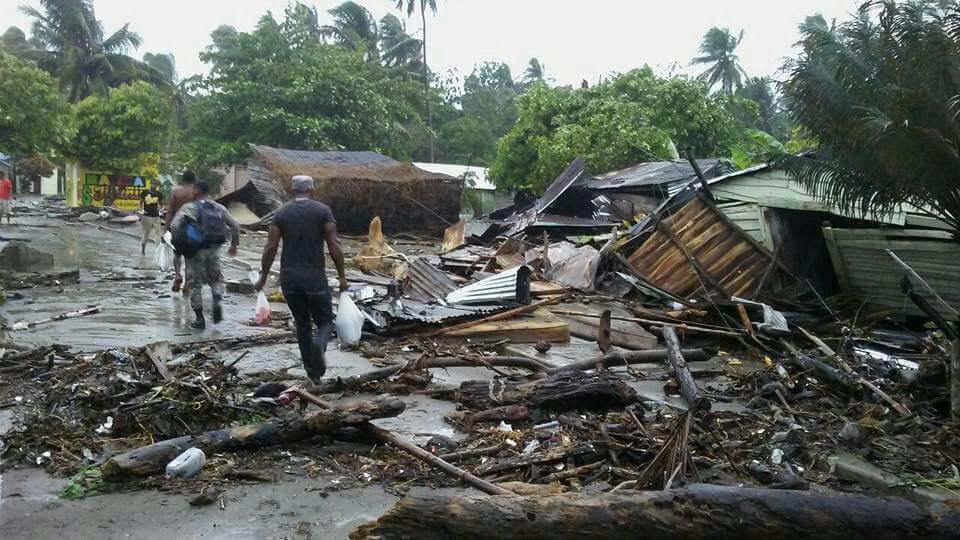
359	186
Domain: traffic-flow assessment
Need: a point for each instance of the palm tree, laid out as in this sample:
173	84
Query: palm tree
718	51
771	119
397	47
534	71
882	100
423	5
73	47
354	28
178	92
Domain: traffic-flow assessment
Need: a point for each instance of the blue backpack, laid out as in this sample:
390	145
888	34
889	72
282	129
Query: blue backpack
208	230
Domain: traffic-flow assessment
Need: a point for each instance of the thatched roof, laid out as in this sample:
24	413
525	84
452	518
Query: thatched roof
359	186
339	166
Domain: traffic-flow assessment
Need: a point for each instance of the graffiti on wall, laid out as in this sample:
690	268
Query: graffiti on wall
119	191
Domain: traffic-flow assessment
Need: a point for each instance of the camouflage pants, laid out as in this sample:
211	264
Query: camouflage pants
203	268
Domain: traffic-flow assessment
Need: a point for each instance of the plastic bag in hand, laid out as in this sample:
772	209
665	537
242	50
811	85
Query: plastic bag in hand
163	255
262	315
349	321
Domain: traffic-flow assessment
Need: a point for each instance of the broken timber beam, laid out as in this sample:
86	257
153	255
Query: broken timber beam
696	401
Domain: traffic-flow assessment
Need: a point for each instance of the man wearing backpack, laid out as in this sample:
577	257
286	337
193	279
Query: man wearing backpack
199	230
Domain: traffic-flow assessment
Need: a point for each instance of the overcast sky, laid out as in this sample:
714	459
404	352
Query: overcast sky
574	40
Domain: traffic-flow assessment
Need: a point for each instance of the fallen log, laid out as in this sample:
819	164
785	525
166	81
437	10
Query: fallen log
151	459
696	401
832	376
559	392
329	386
631	357
700	511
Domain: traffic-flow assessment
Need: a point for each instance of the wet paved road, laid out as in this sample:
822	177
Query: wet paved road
137	305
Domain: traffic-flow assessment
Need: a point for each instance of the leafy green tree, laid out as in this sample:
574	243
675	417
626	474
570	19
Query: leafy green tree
73	46
467	140
354	28
718	52
879	93
410	6
770	115
270	86
34	118
633	117
114	133
489	93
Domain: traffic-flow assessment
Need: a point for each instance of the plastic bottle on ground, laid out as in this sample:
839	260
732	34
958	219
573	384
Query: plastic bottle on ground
187	464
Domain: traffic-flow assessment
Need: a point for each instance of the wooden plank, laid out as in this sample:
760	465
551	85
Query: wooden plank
540	326
703	273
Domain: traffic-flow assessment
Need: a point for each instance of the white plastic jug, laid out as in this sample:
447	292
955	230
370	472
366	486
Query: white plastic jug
187	464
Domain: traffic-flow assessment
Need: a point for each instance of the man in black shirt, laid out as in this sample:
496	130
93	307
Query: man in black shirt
304	224
150	200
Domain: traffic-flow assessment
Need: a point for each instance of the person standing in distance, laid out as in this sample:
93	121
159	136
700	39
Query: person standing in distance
303	225
6	197
150	201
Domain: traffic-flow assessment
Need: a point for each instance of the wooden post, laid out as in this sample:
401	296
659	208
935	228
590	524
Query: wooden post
696	401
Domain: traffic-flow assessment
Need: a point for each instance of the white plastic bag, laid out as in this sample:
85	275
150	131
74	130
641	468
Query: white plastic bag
262	314
163	255
349	321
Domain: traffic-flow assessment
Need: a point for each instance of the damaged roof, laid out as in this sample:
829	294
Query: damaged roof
656	173
694	250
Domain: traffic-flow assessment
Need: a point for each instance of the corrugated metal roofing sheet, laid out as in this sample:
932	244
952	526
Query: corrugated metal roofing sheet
412	310
656	173
426	283
512	284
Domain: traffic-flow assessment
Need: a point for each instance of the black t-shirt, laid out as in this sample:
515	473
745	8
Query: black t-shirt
301	224
151	202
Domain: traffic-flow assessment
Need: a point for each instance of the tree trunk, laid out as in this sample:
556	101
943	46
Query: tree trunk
152	459
559	392
701	511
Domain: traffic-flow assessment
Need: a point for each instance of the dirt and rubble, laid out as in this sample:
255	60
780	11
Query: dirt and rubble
532	384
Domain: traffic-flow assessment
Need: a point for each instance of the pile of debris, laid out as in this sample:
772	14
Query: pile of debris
607	358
